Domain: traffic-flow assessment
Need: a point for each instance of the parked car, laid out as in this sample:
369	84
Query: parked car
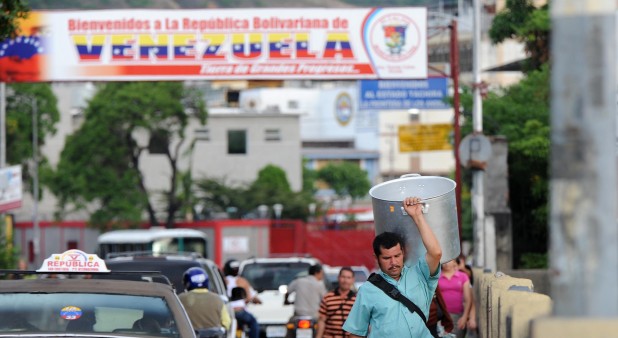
270	278
42	304
173	265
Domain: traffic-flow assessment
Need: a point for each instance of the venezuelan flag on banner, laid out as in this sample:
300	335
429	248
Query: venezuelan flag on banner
24	58
266	43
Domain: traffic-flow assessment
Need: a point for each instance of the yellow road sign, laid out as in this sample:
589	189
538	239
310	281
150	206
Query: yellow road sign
423	137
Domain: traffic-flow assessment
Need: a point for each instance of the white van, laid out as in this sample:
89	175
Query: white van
270	278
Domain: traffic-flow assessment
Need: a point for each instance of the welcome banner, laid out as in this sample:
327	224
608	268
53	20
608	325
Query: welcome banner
130	45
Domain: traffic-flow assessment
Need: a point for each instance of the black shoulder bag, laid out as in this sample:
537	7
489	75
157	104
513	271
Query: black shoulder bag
392	292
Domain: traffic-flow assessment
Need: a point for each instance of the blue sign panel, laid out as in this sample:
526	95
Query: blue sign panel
404	94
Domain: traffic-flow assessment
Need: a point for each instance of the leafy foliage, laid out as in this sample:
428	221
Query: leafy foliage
24	99
100	163
217	195
8	254
10	12
22	103
309	178
271	187
522	21
521	113
346	179
534	261
270	181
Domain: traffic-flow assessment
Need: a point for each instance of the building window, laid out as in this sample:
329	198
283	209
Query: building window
272	135
202	134
236	141
233	98
292	104
159	142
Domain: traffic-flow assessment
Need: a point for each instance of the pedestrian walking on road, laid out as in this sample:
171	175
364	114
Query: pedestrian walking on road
309	291
472	327
336	305
416	281
457	294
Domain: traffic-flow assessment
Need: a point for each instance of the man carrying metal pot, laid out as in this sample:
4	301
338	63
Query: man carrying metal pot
396	301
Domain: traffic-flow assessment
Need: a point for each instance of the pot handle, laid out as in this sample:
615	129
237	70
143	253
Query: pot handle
410	175
424	208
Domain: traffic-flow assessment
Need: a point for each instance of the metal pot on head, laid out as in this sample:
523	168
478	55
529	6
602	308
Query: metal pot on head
439	208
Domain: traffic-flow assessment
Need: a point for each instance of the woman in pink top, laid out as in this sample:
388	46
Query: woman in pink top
455	288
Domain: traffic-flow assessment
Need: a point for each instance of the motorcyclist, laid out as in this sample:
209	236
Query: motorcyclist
205	309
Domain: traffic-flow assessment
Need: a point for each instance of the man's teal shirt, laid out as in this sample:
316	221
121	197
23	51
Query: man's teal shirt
389	318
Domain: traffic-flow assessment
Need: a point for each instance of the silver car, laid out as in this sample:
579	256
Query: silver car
63	299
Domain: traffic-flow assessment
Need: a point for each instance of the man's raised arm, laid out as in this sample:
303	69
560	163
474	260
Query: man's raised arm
413	207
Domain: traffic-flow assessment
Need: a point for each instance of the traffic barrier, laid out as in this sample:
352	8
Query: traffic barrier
506	305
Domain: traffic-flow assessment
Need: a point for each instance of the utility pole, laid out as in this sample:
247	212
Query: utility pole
583	212
456	128
481	243
35	180
2	124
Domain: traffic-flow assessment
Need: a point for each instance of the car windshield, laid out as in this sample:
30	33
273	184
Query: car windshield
85	312
172	269
360	276
271	275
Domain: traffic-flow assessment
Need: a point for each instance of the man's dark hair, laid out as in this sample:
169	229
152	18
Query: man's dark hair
387	240
314	269
346	268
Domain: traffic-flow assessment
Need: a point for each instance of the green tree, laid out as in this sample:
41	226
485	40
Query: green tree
11	11
346	179
216	195
99	168
269	188
521	113
310	176
23	100
272	187
22	103
522	21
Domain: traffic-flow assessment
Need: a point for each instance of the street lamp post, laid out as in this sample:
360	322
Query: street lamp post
278	208
35	177
35	180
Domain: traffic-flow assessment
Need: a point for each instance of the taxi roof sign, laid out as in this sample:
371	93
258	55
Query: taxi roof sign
73	261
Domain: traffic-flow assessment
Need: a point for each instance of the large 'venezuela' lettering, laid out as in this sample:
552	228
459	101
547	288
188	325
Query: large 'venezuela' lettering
235	46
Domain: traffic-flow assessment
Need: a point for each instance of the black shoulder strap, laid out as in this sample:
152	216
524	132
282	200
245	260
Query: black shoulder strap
392	292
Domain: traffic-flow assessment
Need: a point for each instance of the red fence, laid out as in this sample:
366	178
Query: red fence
341	244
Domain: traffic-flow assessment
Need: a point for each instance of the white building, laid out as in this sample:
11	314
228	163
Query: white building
332	127
260	140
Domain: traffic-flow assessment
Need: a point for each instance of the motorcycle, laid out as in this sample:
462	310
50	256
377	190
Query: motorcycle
302	327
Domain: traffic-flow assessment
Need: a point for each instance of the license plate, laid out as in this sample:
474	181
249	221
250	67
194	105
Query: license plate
276	331
304	333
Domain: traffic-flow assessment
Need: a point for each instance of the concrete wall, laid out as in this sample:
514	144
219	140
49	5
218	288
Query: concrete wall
506	306
511	307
